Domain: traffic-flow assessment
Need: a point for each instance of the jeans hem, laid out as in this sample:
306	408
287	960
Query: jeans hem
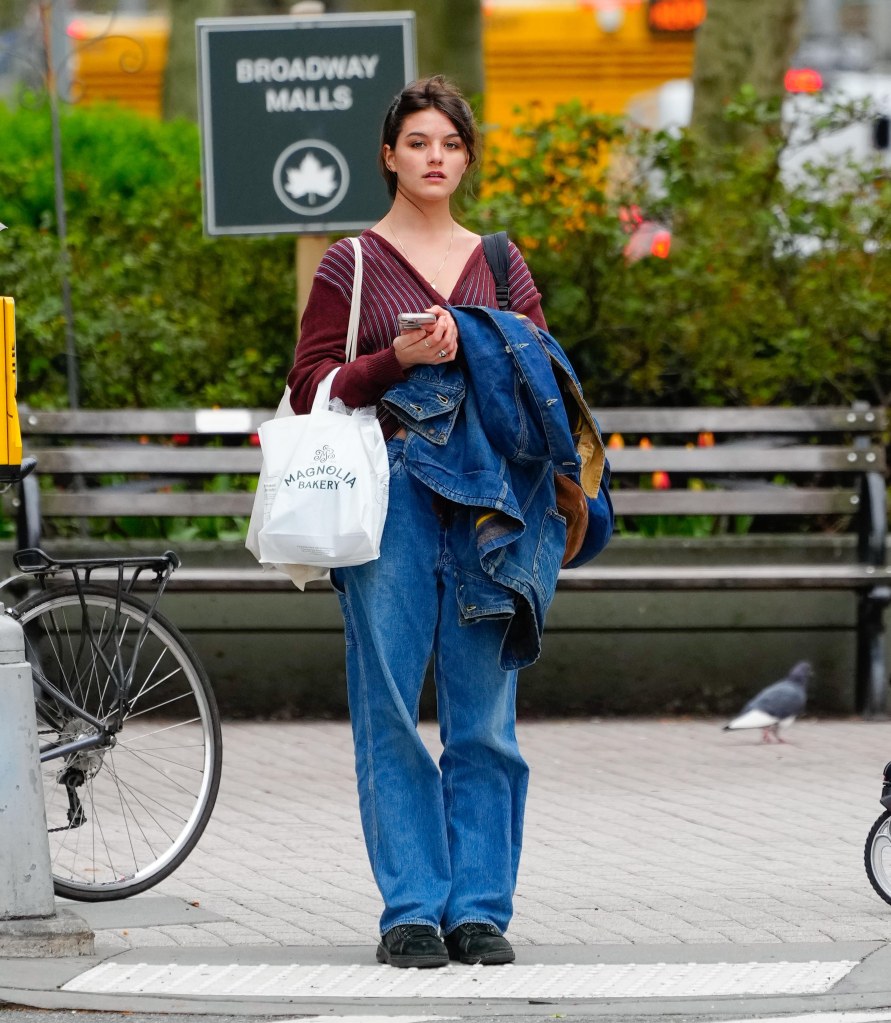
468	920
411	920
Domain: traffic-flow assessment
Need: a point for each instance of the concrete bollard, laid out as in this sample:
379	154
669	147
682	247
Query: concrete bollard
29	923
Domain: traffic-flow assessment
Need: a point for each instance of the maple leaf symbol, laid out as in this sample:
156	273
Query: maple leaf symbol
311	179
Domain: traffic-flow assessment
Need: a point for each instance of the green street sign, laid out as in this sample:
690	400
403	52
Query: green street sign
290	115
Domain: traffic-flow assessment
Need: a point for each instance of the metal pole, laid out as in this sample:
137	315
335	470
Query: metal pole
46	21
880	32
29	924
823	19
26	884
309	248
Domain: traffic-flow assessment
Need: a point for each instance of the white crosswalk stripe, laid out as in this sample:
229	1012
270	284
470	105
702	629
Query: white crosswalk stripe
821	1017
371	1019
631	980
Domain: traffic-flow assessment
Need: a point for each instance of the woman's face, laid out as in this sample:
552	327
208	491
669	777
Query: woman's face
429	157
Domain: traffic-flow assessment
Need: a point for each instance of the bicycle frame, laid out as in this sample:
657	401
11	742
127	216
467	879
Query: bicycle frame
35	563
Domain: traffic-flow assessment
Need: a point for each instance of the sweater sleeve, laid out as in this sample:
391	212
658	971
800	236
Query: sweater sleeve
322	347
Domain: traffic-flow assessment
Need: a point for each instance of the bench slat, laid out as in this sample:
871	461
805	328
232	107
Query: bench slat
740	420
717	577
111	503
148	458
118	422
760	501
133	422
744	458
211	461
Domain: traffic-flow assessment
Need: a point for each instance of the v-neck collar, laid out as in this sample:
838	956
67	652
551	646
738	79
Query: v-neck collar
428	287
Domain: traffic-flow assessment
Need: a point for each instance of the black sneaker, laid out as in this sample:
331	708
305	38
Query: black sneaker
479	943
408	945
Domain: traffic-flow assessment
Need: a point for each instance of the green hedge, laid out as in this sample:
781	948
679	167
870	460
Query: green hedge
163	316
774	292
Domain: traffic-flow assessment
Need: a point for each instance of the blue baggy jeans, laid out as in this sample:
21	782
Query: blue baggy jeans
444	842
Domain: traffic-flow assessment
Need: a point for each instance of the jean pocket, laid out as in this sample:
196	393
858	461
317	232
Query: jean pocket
396	455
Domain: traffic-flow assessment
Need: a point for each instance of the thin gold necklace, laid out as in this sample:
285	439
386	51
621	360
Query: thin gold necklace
432	280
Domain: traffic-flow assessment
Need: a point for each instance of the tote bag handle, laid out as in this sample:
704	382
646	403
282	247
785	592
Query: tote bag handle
352	338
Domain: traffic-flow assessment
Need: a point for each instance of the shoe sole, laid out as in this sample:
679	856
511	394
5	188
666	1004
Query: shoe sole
487	959
410	962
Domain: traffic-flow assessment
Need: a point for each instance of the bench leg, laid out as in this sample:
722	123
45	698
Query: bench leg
872	672
28	524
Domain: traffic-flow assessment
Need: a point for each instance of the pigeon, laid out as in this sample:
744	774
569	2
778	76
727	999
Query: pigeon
777	706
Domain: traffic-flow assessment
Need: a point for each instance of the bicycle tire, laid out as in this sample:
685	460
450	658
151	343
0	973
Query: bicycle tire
877	856
146	798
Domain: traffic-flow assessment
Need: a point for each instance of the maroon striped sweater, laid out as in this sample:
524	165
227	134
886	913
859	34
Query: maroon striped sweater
390	285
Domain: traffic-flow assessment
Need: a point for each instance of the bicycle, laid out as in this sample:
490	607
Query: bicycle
877	852
128	726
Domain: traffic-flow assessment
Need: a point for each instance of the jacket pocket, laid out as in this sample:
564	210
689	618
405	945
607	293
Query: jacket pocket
426	404
481	597
549	553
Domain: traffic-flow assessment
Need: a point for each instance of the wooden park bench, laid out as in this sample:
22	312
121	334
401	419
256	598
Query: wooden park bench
786	468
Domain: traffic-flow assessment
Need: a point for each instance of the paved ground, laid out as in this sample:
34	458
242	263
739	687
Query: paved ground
650	843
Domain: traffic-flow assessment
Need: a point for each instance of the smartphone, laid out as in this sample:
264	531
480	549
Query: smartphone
415	321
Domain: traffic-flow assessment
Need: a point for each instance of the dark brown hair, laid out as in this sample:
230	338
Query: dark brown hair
435	92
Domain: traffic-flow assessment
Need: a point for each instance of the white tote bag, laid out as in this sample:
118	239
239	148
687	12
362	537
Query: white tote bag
301	573
327	486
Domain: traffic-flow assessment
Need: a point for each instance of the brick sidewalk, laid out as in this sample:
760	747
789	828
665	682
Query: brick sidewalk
637	831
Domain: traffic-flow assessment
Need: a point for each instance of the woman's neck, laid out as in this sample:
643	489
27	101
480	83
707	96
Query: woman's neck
425	236
406	218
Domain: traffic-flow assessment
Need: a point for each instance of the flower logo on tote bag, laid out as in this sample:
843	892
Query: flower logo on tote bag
324	453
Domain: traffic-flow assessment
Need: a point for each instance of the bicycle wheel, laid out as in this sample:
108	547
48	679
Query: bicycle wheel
125	814
877	856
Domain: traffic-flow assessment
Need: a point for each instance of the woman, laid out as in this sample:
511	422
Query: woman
444	842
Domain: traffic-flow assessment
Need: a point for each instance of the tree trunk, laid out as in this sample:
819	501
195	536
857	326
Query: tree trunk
180	75
460	45
12	13
449	36
180	80
741	42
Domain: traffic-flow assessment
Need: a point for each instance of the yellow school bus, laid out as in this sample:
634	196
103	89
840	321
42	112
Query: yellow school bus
537	53
602	52
119	59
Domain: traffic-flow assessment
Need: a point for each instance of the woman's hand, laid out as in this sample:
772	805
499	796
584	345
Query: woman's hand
426	346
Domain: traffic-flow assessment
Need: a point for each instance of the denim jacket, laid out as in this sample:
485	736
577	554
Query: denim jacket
490	440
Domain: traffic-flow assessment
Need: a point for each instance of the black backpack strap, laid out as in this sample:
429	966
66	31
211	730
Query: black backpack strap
498	258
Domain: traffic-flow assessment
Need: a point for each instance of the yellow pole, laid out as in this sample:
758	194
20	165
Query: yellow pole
310	249
10	435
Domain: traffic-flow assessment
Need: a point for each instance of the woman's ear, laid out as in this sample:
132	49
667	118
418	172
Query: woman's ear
389	158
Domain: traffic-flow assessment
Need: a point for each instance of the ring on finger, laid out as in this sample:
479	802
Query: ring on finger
442	353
